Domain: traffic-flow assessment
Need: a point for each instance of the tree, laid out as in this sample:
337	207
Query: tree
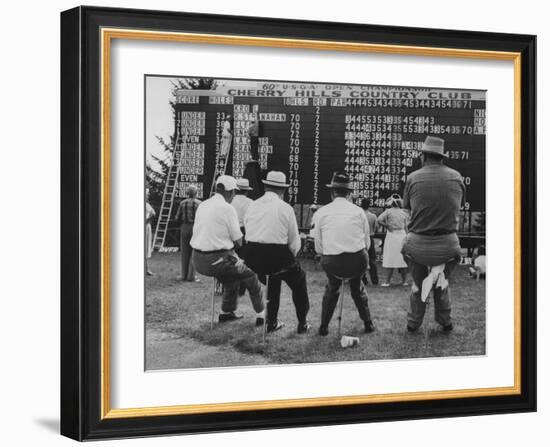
156	176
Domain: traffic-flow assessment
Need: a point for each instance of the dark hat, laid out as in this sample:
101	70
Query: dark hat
340	180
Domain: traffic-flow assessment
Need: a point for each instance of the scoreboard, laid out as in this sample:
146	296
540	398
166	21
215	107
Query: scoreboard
308	131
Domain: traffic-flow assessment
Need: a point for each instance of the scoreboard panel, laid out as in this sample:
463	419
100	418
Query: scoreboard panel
310	130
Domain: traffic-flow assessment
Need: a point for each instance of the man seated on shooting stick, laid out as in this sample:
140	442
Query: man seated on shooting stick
272	242
215	235
434	195
342	238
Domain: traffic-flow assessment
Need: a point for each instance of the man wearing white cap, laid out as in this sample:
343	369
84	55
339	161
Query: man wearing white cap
434	195
272	242
215	234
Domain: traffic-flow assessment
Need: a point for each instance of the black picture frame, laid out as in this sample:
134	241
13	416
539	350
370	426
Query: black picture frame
81	223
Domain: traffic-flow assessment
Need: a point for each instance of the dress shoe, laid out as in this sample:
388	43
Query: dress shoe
448	328
411	329
369	327
259	321
275	327
323	331
230	316
303	328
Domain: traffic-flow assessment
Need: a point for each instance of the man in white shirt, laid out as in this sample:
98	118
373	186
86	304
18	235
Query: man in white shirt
342	238
215	234
272	242
241	201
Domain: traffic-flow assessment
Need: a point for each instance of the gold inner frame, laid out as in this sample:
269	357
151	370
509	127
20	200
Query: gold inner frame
107	35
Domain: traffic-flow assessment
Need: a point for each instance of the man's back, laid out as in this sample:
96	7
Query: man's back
434	195
216	225
187	210
341	227
371	217
270	220
241	204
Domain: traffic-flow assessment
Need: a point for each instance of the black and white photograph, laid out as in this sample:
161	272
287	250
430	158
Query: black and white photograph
293	222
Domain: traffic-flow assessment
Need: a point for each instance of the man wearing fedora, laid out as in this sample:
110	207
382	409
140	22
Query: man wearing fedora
272	242
216	233
342	238
434	195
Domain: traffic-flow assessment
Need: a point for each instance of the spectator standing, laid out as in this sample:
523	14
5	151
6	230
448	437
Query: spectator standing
185	216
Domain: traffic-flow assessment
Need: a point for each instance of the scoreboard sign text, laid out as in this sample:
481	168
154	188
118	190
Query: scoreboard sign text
310	130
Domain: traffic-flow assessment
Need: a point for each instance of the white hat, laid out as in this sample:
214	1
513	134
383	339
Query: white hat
276	178
243	184
434	145
228	182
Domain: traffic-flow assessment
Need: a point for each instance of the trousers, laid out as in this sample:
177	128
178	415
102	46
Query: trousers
345	265
228	268
186	251
373	270
442	302
277	261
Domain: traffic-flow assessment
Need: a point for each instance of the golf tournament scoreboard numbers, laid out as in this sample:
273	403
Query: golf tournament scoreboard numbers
308	131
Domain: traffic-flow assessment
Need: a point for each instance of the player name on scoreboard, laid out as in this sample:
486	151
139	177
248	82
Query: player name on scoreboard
310	130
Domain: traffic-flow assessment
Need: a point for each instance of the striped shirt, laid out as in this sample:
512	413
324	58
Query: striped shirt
187	210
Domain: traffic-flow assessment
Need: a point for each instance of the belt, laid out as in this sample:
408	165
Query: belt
212	251
434	232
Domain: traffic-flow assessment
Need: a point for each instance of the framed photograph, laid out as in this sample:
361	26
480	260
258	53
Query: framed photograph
273	223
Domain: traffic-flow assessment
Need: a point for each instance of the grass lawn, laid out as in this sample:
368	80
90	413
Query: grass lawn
178	331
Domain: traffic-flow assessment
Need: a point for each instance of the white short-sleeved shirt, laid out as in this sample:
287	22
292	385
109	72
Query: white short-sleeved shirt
270	220
216	225
241	203
341	227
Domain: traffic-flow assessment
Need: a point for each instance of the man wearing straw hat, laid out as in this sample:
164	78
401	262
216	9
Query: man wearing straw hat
434	195
241	201
215	235
272	242
342	238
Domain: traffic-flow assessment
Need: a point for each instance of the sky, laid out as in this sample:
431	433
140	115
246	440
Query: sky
158	119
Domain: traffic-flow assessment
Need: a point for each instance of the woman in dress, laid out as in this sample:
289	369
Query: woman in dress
394	219
149	214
